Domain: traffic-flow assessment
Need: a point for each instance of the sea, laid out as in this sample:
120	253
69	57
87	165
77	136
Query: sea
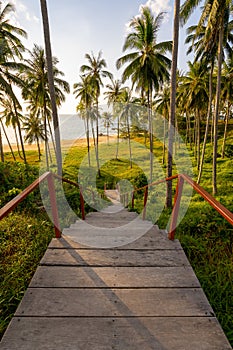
71	128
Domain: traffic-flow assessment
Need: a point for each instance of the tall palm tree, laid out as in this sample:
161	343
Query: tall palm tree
36	90
11	119
194	90
148	65
125	116
96	71
114	95
11	48
83	91
34	130
215	15
44	13
107	122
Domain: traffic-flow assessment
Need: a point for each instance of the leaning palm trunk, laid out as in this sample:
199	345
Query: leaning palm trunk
46	143
51	84
8	141
218	91
20	133
172	101
1	147
207	123
225	130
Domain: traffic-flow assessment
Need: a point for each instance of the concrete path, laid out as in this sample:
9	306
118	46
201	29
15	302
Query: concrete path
142	295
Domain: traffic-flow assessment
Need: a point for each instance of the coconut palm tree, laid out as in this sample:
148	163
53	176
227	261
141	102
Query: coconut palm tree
215	15
36	90
126	108
11	48
194	90
34	130
148	66
83	91
114	95
96	71
10	119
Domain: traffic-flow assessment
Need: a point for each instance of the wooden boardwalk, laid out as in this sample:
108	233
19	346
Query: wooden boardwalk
142	295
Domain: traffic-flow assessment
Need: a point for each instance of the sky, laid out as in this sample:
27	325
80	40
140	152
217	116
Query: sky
78	27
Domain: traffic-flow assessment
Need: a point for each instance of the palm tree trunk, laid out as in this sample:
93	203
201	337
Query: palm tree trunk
164	140
118	136
198	139
8	141
51	84
149	100
97	138
225	130
172	100
1	147
88	137
38	147
216	114
129	142
20	133
207	122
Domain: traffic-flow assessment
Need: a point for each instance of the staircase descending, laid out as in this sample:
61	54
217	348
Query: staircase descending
114	292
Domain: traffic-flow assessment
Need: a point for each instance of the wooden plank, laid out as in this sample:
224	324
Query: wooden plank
150	240
134	277
107	302
88	257
161	333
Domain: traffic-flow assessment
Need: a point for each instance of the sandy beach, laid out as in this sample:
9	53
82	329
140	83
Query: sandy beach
64	143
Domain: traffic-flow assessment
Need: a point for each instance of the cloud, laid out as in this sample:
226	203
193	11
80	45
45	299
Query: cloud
22	12
157	6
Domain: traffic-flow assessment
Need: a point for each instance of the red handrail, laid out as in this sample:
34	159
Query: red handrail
4	211
223	211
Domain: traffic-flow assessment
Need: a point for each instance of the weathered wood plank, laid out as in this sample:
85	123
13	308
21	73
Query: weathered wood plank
78	277
88	257
114	302
153	239
161	333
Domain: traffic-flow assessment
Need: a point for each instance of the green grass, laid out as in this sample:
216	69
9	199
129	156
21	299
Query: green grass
23	241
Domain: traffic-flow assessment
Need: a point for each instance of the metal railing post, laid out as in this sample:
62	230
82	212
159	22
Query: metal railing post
133	200
144	203
176	207
82	204
53	202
